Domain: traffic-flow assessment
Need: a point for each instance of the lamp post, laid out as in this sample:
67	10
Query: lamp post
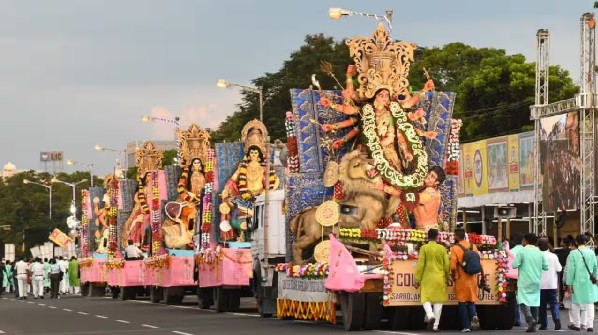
89	166
125	164
337	13
255	89
175	122
49	187
73	208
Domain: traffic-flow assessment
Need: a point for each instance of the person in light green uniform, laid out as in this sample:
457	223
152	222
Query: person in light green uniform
580	263
530	262
8	281
46	276
73	276
432	274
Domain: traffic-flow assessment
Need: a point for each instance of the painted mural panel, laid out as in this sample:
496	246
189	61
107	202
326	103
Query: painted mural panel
526	160
513	147
498	175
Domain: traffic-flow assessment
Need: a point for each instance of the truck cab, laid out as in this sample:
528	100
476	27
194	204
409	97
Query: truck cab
269	229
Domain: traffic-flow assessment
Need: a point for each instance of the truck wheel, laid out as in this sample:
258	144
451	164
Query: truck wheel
234	300
97	290
220	299
85	289
204	298
506	313
373	311
170	298
156	294
352	307
124	293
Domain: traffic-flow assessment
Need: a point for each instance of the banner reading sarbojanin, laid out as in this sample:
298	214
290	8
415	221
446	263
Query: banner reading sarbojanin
59	237
404	293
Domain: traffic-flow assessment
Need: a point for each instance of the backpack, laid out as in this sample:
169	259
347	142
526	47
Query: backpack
471	260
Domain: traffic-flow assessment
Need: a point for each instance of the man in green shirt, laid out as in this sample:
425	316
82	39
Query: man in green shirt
580	264
530	262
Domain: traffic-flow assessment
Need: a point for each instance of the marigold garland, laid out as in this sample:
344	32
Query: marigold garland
309	271
155	214
84	223
300	310
85	262
112	215
158	262
115	263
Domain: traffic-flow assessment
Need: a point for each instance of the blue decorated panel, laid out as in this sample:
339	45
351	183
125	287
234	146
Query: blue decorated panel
127	189
449	200
173	173
303	190
438	107
95	192
228	156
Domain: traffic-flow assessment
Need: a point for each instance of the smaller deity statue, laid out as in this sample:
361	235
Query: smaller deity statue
101	222
426	212
249	180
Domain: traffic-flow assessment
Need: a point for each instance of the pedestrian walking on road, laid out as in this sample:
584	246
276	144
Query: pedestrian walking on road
562	254
549	287
74	276
516	240
530	262
21	269
466	284
7	281
55	277
432	273
580	278
46	276
37	273
64	282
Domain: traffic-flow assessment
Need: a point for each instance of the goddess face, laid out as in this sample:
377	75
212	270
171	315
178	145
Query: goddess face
382	98
254	155
196	165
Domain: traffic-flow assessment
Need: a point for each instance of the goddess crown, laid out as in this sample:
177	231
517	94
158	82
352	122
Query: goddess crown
381	64
195	143
254	133
148	158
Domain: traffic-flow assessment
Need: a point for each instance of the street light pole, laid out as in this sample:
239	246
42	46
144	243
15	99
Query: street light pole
89	166
175	121
255	89
73	185
337	13
49	187
125	164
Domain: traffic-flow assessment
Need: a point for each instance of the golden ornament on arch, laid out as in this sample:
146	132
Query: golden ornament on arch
328	213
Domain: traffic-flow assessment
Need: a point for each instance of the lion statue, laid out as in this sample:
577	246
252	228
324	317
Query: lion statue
363	207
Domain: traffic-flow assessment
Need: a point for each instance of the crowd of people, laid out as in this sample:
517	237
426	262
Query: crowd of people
36	277
542	275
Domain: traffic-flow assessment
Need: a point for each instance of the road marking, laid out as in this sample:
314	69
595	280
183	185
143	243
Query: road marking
243	314
53	307
5	298
29	302
143	302
149	326
101	317
182	333
83	313
67	310
12	299
42	304
2	332
185	307
391	332
122	321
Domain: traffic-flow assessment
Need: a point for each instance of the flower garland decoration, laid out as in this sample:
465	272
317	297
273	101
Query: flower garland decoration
115	263
209	255
452	155
206	222
389	173
85	262
503	267
158	262
84	223
155	214
292	149
112	214
388	276
308	271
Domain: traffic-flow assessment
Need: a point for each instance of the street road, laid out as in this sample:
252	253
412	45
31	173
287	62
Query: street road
78	315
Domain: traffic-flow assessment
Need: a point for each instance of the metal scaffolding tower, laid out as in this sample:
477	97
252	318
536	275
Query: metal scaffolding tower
542	75
584	104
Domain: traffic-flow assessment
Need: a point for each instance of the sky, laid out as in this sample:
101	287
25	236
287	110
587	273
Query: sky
75	73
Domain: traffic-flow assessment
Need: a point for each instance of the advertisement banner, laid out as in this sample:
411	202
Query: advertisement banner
479	161
526	160
498	164
513	154
559	161
467	166
301	289
461	179
59	237
404	293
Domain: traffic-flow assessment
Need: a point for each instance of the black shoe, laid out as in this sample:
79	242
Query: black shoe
590	330
531	327
431	323
557	324
542	328
572	327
